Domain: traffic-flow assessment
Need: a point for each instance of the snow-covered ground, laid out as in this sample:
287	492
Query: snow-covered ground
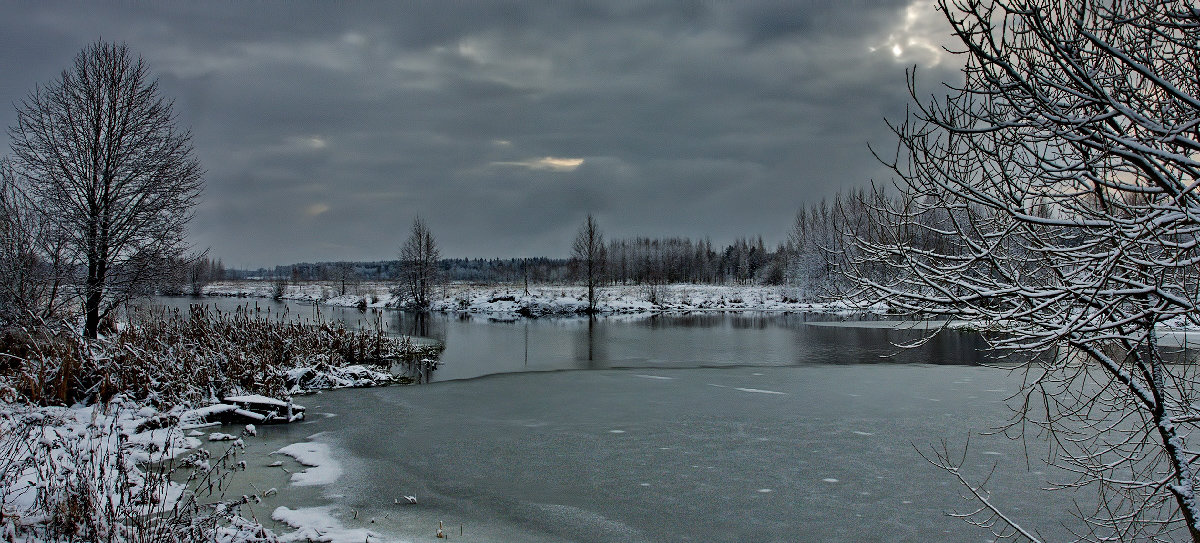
546	300
142	462
124	470
54	458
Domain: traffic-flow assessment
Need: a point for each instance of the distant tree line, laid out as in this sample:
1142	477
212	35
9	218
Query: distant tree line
681	260
630	261
812	261
190	275
475	270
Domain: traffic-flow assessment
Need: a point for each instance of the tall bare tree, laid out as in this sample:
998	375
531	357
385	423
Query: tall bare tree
590	255
1054	194
419	265
109	170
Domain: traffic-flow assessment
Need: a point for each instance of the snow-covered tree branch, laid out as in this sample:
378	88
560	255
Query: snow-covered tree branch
1054	195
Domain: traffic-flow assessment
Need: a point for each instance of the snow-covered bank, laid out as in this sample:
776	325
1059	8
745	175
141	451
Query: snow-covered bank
545	300
125	471
111	472
116	465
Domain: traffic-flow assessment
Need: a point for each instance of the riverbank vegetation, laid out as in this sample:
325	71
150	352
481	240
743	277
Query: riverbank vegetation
91	431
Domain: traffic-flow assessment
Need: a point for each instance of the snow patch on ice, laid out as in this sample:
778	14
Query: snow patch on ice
829	480
616	431
752	390
861	433
664	378
759	391
322	468
319	524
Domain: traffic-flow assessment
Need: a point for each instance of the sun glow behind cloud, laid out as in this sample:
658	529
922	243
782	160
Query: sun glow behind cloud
549	163
918	36
316	209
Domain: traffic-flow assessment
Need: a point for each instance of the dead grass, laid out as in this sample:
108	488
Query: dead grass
170	357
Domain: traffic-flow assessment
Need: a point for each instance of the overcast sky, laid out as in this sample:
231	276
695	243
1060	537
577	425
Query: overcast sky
325	128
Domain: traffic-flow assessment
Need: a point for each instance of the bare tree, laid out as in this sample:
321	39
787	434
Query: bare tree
345	273
110	172
1054	194
31	258
419	265
588	251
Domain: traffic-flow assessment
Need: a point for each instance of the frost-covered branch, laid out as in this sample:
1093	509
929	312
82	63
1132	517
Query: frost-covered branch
1053	194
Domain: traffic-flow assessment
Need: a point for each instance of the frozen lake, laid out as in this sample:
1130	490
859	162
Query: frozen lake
710	427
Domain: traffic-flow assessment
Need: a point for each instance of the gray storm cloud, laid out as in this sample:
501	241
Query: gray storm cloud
325	128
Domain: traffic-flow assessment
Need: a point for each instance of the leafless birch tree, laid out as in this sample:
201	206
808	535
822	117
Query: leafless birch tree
589	253
419	264
1054	195
109	171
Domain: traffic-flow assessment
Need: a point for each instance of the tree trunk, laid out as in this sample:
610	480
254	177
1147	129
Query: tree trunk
94	298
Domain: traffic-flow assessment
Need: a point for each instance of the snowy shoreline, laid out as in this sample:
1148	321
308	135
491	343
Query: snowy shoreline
45	448
126	453
547	300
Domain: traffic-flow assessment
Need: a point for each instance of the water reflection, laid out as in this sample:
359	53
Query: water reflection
590	343
417	325
477	345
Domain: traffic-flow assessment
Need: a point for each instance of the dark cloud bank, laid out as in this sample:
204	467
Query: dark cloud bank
325	128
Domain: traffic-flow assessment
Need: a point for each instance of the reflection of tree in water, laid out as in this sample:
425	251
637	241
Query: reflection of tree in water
420	324
753	320
420	372
882	345
590	345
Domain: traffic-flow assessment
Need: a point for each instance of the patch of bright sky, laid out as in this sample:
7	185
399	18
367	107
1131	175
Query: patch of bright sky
919	37
549	163
310	142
